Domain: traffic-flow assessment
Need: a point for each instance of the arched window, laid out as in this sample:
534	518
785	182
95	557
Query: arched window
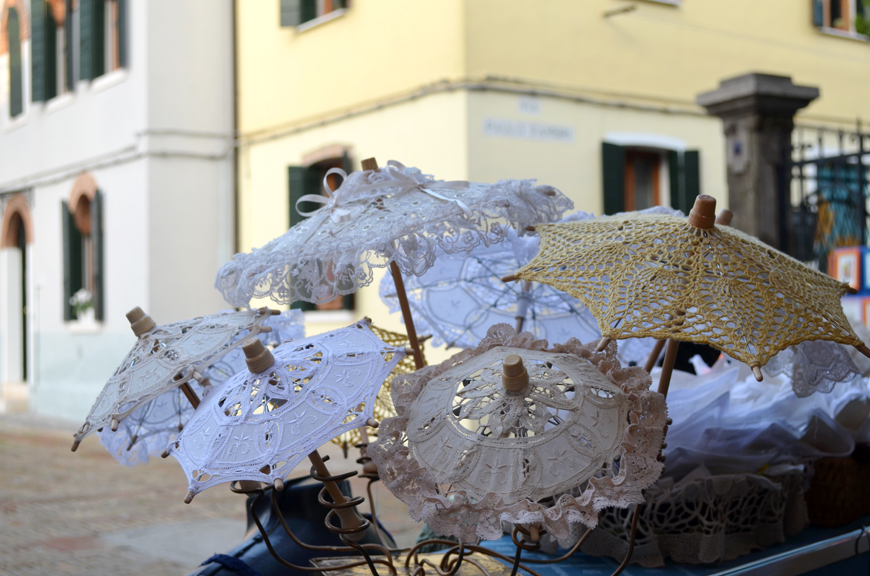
81	220
16	82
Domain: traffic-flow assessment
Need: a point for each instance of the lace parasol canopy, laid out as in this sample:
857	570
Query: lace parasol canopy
259	425
395	214
665	277
466	453
151	427
165	357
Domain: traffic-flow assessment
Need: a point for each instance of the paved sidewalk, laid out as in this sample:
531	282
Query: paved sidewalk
64	513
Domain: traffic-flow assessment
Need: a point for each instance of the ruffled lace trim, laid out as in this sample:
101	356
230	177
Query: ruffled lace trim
470	518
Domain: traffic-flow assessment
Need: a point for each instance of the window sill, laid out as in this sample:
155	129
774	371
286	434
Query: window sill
13	124
59	102
329	316
84	327
328	17
843	34
106	81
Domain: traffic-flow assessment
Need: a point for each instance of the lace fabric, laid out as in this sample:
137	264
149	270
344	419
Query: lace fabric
260	426
383	402
464	454
461	296
164	358
149	429
814	366
658	276
702	520
396	215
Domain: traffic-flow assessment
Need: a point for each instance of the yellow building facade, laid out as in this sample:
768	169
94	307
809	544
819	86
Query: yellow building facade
490	89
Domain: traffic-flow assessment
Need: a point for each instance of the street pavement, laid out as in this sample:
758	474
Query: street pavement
82	513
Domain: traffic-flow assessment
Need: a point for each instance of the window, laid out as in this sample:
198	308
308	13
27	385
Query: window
102	37
16	81
635	178
848	16
81	220
43	52
296	12
309	180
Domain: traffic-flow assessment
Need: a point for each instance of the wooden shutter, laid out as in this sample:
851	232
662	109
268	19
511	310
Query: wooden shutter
91	39
290	12
613	177
38	50
122	33
675	179
72	259
307	10
691	177
818	8
68	46
16	83
97	243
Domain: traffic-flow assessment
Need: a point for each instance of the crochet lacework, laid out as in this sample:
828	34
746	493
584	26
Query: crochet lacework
465	454
814	366
259	426
164	358
150	428
702	520
383	402
658	276
377	217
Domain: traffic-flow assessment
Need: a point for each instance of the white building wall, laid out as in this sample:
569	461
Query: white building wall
156	137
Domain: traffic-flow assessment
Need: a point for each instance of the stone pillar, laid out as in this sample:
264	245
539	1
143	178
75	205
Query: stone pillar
758	115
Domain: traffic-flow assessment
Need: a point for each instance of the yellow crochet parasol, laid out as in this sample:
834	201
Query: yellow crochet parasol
687	279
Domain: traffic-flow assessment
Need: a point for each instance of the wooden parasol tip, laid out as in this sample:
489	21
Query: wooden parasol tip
530	228
189	498
757	372
703	214
115	424
279	484
849	289
75	445
724	217
603	344
257	357
370	164
863	350
372	423
510	278
140	322
514	375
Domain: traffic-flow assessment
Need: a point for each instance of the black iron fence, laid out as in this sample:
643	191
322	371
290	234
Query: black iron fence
825	181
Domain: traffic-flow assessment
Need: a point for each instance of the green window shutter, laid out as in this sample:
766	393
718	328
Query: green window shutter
674	179
122	33
72	259
16	84
290	12
818	7
68	46
307	10
91	39
691	177
97	237
50	54
613	177
38	65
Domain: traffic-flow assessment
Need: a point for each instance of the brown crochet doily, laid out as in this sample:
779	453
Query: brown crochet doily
659	276
499	450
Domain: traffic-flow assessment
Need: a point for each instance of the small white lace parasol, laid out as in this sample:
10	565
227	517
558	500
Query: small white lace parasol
151	427
395	214
482	438
166	357
259	424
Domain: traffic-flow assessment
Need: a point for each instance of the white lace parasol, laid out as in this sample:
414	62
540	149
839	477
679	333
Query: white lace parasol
151	427
467	452
377	217
461	296
814	366
259	426
164	358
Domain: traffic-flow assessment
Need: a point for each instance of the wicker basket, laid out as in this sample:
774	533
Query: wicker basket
839	490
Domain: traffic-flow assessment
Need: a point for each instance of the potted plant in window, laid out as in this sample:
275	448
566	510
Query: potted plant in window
82	303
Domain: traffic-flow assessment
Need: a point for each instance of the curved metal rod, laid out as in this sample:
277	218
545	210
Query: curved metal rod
565	556
412	553
628	554
290	565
